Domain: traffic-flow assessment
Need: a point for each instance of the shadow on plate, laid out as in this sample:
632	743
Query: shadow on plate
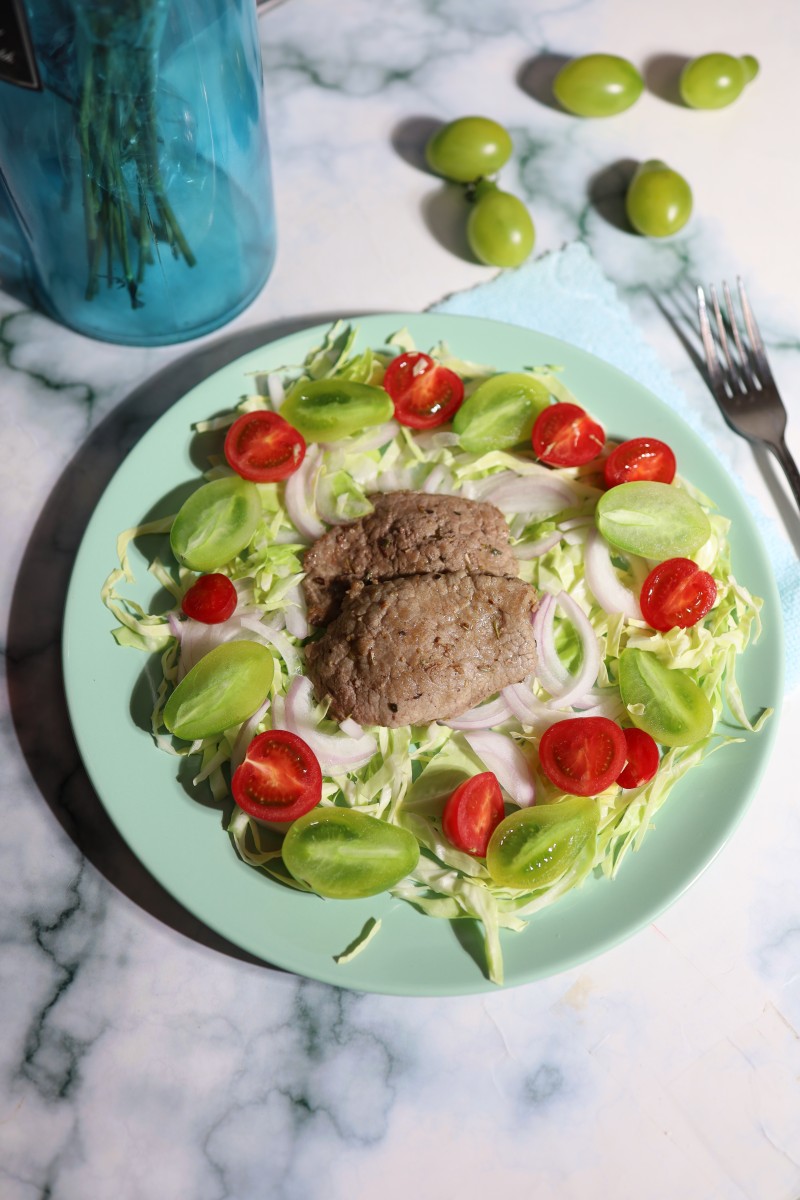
35	676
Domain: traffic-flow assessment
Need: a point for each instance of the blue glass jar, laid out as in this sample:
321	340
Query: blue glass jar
133	148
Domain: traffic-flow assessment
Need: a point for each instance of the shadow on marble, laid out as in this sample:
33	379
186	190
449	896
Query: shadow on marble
35	677
536	76
680	310
661	73
410	138
607	193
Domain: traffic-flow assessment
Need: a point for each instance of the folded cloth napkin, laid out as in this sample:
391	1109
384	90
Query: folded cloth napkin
566	294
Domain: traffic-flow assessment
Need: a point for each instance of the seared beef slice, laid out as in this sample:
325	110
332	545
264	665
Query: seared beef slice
408	533
424	648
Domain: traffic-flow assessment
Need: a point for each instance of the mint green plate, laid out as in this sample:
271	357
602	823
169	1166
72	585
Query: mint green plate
182	842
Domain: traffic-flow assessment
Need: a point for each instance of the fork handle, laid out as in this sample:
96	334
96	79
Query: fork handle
781	452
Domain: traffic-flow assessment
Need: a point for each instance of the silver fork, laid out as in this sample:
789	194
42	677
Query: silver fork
741	380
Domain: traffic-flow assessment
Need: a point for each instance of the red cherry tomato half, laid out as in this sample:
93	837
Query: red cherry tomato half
263	447
425	394
280	778
582	755
677	593
566	436
640	458
643	759
473	812
211	599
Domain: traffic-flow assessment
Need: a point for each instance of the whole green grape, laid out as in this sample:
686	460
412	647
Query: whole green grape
716	80
659	200
469	149
500	231
597	85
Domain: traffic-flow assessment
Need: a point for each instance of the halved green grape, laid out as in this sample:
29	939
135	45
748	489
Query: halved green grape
224	688
654	520
597	85
500	231
716	80
500	412
327	410
468	149
344	855
215	523
534	847
665	702
659	200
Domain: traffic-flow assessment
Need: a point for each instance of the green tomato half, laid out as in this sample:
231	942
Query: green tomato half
216	523
224	688
658	201
716	80
597	85
663	701
655	520
468	149
346	855
327	410
534	847
500	412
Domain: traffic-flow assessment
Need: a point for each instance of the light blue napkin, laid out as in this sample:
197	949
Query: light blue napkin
565	294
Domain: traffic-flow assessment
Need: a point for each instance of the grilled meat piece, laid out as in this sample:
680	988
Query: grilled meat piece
408	533
424	647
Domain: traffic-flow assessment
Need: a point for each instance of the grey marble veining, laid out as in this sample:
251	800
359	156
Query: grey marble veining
142	1055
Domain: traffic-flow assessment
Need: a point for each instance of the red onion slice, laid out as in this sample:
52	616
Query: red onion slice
535	549
483	716
579	684
503	756
535	497
299	496
335	752
604	583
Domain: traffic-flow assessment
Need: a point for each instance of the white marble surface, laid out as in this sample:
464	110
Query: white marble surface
142	1058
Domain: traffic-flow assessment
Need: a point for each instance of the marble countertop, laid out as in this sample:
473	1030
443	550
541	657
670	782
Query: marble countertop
143	1056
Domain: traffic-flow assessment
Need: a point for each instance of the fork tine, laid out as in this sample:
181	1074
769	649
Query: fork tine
734	376
758	352
712	359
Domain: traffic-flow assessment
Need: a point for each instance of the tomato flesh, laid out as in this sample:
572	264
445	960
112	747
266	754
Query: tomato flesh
582	755
280	778
424	393
473	812
640	458
564	435
677	594
210	600
643	759
263	447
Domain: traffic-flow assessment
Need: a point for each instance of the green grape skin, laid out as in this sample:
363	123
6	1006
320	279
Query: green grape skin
654	520
500	231
216	523
468	149
716	80
658	201
500	412
597	85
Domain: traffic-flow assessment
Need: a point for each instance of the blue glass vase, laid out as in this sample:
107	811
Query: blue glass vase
134	154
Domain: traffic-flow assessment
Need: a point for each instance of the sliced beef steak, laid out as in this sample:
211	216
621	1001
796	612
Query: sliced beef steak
423	648
408	533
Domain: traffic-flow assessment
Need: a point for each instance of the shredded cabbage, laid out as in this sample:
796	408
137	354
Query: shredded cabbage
415	769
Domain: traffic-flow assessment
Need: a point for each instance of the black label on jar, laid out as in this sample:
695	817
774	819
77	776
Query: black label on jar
17	63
